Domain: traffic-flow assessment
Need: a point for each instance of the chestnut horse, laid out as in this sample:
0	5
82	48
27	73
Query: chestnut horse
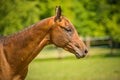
18	50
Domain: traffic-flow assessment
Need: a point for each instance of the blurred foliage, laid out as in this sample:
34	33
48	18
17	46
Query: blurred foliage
91	18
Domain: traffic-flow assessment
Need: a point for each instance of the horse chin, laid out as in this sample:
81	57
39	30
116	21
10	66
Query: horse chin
78	56
74	50
78	53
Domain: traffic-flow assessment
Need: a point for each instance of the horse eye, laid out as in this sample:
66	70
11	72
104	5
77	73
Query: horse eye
68	29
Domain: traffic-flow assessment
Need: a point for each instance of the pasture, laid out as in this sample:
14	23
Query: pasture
94	67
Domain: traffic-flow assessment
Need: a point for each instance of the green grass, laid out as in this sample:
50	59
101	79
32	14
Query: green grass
101	67
98	65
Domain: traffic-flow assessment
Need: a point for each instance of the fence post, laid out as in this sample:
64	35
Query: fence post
87	42
111	46
60	56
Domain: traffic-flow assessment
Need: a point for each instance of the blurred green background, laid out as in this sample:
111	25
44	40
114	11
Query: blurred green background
91	18
98	20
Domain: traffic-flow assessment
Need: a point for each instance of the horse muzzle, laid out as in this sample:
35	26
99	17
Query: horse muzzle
80	53
77	51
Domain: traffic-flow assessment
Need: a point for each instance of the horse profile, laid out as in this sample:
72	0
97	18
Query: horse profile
18	50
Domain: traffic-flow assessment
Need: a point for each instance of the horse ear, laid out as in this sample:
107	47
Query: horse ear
58	13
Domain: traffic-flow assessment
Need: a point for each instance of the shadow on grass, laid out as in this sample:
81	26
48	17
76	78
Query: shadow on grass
57	59
108	55
74	58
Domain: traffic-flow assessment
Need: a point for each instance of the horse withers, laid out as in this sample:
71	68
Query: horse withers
18	50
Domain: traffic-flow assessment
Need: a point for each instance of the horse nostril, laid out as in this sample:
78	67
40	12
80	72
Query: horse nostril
86	51
77	46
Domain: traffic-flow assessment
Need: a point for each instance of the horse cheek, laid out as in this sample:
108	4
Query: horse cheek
58	39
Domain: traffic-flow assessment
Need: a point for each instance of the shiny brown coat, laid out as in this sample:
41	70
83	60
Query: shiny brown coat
18	50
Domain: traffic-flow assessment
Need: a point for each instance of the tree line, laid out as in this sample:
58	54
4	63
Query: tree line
91	18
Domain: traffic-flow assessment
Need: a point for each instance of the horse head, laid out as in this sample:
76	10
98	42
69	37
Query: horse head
64	35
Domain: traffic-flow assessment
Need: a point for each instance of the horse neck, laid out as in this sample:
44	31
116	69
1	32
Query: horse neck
22	47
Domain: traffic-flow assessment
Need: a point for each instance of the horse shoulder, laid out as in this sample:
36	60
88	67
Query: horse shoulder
5	70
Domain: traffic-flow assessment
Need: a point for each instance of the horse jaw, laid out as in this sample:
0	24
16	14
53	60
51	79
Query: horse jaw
75	50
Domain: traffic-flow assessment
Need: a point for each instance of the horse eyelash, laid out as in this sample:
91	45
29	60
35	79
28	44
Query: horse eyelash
66	29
